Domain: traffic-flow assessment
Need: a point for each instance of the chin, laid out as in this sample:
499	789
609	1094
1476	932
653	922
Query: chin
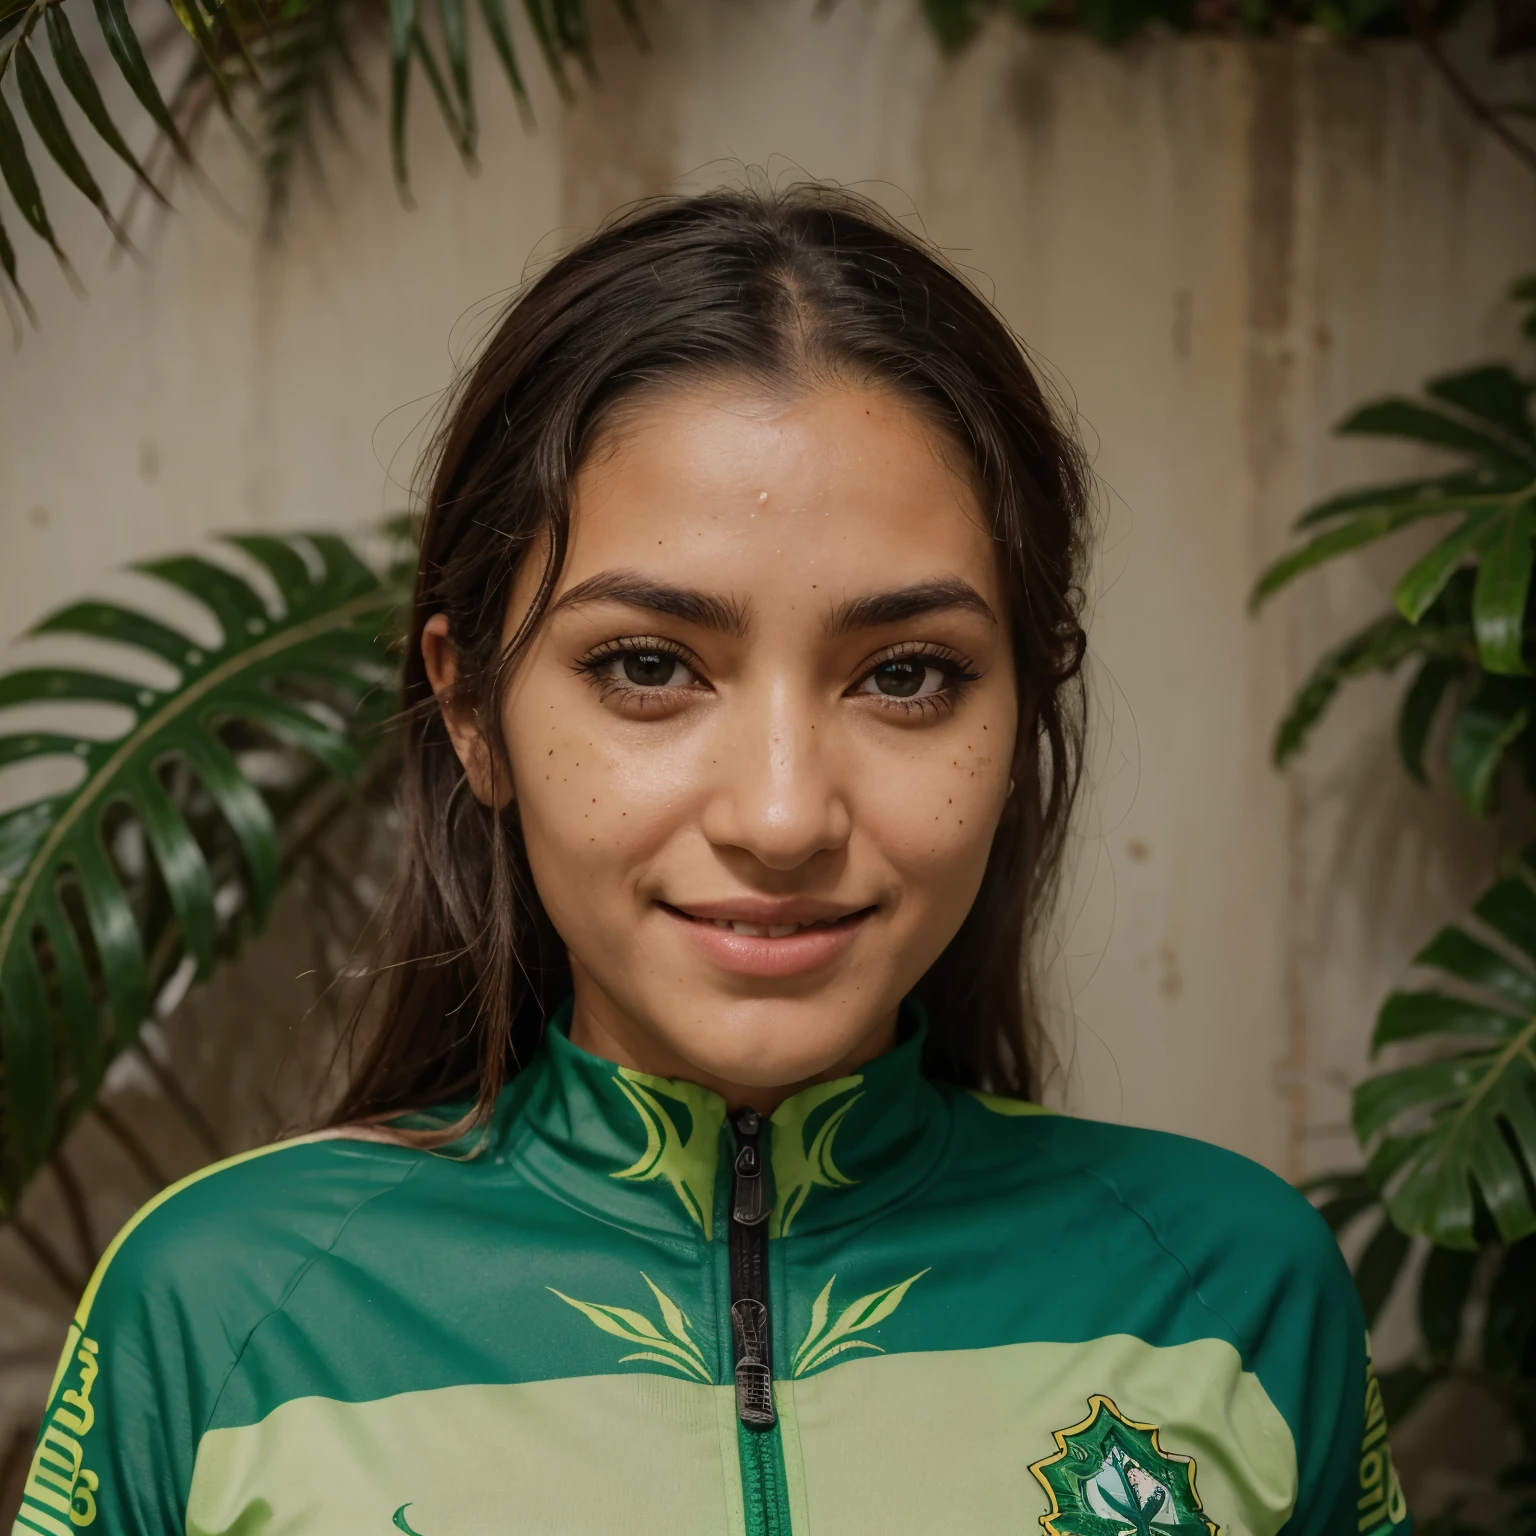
771	1042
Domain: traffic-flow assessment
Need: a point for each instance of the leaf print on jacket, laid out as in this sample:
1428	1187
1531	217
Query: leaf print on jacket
687	1162
798	1169
678	1352
823	1342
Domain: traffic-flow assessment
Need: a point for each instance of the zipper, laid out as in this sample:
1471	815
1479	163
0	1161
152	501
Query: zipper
764	1495
750	1206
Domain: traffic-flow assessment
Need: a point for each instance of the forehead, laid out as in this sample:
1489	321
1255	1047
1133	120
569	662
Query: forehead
839	490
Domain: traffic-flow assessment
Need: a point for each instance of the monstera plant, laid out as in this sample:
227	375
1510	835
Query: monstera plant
1450	1136
155	852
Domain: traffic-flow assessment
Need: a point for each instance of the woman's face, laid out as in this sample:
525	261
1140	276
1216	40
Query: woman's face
762	739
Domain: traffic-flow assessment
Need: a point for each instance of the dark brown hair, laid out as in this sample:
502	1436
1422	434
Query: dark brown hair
789	289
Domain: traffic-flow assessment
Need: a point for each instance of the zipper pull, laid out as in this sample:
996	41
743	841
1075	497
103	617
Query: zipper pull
754	1376
749	1199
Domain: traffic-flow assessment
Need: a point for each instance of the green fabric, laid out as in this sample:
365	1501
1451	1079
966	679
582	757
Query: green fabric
647	1454
764	1496
981	1320
884	1449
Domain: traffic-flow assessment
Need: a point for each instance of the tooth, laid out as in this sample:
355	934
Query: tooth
782	930
751	930
722	922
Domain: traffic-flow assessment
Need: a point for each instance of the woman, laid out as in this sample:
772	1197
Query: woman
690	1182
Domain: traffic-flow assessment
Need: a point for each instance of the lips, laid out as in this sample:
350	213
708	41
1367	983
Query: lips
765	930
764	938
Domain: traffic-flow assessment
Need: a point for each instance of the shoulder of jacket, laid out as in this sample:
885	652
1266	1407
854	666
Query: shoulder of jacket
1183	1177
1210	1209
263	1213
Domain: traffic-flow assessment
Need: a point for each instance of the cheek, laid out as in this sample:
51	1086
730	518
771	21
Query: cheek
935	819
592	807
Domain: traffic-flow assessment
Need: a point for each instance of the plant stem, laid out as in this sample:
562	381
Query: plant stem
128	1140
78	1209
48	1258
1428	39
180	1100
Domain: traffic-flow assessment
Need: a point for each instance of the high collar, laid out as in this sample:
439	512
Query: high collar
649	1151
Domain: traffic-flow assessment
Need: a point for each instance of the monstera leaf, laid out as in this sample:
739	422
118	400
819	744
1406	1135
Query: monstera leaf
1455	1137
1484	1298
1483	415
169	844
1460	609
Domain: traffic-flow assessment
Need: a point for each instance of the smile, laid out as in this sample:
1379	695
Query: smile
748	942
766	930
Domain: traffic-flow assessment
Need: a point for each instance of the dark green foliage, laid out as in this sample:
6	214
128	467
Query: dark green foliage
1510	1329
1455	1138
1378	1268
300	71
123	44
166	852
1462	610
1116	22
54	132
1444	1288
1453	1286
17	171
81	84
275	65
1451	1136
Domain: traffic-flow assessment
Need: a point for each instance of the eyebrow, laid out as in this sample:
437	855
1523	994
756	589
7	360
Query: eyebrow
706	609
729	616
902	603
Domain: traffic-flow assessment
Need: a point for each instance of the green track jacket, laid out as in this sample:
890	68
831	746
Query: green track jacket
894	1309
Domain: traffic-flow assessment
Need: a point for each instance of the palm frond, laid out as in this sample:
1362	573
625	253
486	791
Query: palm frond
167	847
272	67
276	63
302	66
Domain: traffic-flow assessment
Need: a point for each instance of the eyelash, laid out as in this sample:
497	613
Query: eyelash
591	665
958	672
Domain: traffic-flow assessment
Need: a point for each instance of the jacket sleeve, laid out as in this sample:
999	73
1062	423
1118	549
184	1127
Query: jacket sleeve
166	1322
1347	1485
116	1446
1265	1264
1295	1306
153	1342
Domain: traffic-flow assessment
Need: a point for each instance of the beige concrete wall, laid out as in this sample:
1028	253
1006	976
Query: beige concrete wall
1215	248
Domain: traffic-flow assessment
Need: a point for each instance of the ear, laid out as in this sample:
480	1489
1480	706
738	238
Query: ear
461	720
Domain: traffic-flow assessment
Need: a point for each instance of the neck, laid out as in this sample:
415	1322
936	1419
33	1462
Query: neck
602	1028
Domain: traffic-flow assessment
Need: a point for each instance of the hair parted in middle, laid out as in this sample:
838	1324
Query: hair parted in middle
789	291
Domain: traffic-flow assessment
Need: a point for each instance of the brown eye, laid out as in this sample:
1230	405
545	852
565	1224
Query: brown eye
905	678
899	679
653	669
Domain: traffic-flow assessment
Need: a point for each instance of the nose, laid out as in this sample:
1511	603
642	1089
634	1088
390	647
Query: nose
775	790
